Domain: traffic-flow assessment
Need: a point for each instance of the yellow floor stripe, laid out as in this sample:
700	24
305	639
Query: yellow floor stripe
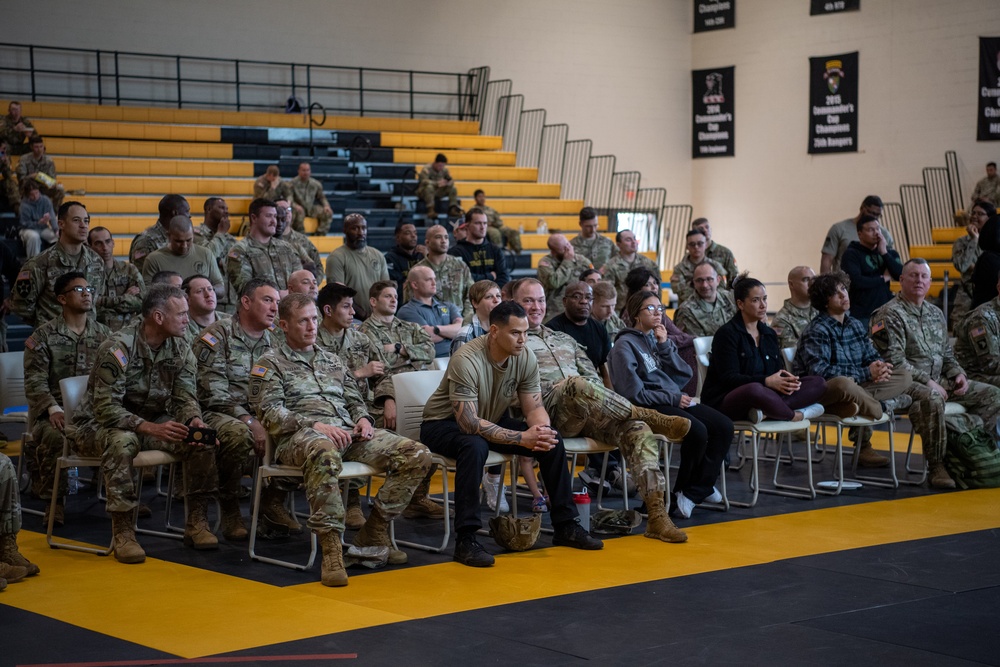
192	612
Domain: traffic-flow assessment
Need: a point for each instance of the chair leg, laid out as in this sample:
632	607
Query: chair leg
255	520
754	471
51	538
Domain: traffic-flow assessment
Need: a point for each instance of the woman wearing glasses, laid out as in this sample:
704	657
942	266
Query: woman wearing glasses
647	370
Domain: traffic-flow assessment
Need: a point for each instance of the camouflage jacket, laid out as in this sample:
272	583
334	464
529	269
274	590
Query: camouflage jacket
599	248
429	175
617	268
308	254
682	281
114	307
15	138
614	324
977	342
225	355
132	383
701	318
251	259
964	253
725	257
791	321
308	194
453	282
34	297
419	348
29	164
145	242
263	188
914	338
357	349
53	352
219	245
555	274
492	217
194	329
559	357
987	189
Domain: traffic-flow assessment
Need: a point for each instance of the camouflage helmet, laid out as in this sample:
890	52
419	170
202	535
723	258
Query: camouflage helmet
614	522
516	534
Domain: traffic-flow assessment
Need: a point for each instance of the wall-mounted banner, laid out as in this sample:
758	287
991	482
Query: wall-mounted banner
713	112
989	89
714	14
833	104
833	6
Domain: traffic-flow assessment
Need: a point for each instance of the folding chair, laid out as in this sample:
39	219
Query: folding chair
950	408
14	405
838	465
440	363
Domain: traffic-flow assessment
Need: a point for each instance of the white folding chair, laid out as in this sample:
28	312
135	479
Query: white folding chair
838	464
14	406
440	363
950	408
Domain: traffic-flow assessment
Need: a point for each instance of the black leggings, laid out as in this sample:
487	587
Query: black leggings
702	450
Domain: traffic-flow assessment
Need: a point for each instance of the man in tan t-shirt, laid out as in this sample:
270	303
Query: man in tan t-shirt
465	418
183	256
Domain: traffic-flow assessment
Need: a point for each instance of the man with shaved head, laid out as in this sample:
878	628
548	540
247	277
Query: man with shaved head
557	270
797	311
303	282
453	276
441	320
356	264
155	237
183	256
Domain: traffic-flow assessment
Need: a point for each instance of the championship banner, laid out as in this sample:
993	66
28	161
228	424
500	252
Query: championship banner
833	104
714	15
989	89
833	6
713	113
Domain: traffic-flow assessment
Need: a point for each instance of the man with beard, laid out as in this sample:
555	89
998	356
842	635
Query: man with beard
260	254
303	282
356	264
709	308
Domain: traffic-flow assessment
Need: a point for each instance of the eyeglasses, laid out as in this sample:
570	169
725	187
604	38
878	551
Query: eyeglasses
80	289
653	308
581	297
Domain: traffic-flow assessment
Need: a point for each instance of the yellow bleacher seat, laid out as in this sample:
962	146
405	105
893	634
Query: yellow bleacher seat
947	234
124	166
440	141
423	156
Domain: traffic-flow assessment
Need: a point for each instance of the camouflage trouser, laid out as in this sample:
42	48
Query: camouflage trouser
428	192
929	421
497	235
48	446
405	461
118	447
314	211
962	303
581	407
10	500
235	447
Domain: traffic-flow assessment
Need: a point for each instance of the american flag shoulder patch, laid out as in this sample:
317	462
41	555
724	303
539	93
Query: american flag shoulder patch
120	357
258	371
210	339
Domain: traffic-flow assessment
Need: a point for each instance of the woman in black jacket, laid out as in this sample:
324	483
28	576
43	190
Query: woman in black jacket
747	377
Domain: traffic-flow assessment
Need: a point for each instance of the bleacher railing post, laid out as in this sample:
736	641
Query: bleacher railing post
31	62
180	99
100	96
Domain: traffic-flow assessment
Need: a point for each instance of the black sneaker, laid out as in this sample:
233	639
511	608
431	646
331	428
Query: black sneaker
470	552
572	534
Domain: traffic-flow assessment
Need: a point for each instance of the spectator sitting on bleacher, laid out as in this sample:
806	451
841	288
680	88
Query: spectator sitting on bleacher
10	197
557	270
201	299
308	254
453	276
591	276
964	253
485	260
34	296
303	282
271	186
405	346
628	258
439	320
842	233
38	218
720	254
434	181
155	237
604	311
590	243
709	307
121	299
214	235
988	188
356	264
498	233
15	130
797	311
308	199
39	167
183	256
871	265
977	342
681	282
259	254
403	256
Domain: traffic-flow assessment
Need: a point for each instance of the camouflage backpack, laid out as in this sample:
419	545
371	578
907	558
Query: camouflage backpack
972	459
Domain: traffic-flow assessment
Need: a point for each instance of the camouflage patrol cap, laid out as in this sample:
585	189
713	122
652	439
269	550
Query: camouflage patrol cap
614	522
516	534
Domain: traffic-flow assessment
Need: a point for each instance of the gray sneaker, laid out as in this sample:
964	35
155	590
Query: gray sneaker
898	404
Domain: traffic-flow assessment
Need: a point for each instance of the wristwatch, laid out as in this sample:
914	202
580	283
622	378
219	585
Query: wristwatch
399	348
437	330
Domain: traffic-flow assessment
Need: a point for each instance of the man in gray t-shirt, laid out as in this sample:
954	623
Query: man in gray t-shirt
842	233
441	320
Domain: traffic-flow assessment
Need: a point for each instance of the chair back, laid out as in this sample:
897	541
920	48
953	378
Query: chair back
412	391
12	381
73	390
702	351
788	353
440	363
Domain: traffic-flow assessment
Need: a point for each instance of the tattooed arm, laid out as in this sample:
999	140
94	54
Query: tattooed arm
538	437
533	409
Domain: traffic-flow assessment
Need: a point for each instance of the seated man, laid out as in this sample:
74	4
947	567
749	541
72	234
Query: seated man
977	342
38	218
171	278
557	270
356	264
797	311
261	254
142	395
308	254
836	345
577	323
16	130
988	187
155	237
497	232
911	334
183	256
682	281
434	181
13	566
604	309
842	233
709	308
121	299
10	197
213	234
201	306
453	276
719	254
485	260
591	276
303	282
36	166
628	258
226	352
271	186
308	200
467	416
580	405
871	265
309	402
403	256
63	347
439	320
590	243
405	346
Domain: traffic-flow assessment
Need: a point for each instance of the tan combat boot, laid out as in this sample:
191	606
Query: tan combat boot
674	428
422	507
354	518
375	533
431	213
333	571
10	555
658	524
197	532
123	542
274	516
12	573
939	477
234	528
869	458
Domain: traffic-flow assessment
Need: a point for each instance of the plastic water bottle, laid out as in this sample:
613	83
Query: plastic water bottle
520	228
542	227
582	501
73	480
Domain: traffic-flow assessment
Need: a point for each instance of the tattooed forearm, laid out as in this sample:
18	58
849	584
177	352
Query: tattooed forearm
469	422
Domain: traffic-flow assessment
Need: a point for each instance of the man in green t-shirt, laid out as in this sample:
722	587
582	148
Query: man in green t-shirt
466	417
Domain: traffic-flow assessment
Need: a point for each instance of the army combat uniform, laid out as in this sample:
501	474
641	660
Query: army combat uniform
724	256
309	195
964	253
682	281
34	297
701	318
498	233
308	254
977	344
429	190
453	282
249	259
555	274
617	269
599	248
219	246
791	321
357	350
145	242
115	308
416	343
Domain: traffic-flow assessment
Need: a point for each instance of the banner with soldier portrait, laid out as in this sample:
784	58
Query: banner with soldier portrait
833	104
712	132
988	125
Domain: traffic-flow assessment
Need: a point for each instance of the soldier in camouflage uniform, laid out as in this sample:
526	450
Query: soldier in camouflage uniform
10	188
434	181
15	130
311	405
628	258
719	254
682	280
977	344
453	275
590	243
308	254
213	235
155	237
558	269
308	199
225	352
260	254
271	186
988	188
497	232
201	306
63	347
34	297
964	253
405	346
13	566
36	162
121	299
709	308
911	334
141	395
580	405
797	312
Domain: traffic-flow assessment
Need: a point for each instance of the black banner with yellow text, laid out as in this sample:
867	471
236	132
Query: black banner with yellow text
713	113
833	104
